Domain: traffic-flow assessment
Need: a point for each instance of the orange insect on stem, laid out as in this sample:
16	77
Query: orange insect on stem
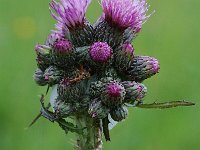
81	75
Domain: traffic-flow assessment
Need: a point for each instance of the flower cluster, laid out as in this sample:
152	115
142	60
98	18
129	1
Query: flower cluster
92	68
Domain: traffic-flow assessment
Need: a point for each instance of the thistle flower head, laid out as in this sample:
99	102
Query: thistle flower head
43	56
143	67
100	52
52	75
69	13
125	13
119	113
62	46
134	91
114	89
113	94
98	110
39	77
68	91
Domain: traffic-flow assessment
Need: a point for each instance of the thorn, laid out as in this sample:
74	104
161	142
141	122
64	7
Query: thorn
34	120
40	114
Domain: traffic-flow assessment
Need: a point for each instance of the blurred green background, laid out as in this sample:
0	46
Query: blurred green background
172	35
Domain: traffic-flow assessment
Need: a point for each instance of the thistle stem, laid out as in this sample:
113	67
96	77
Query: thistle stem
165	105
91	139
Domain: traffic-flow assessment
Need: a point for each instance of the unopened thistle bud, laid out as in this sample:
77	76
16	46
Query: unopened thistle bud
53	75
142	68
124	57
119	113
39	77
134	91
97	110
96	88
43	56
70	92
62	108
113	94
63	53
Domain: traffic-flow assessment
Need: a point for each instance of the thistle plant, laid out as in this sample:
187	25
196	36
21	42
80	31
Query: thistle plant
93	70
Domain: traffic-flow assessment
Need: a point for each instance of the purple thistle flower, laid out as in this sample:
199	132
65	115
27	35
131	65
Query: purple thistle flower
113	94
155	65
100	52
62	46
69	13
114	89
126	13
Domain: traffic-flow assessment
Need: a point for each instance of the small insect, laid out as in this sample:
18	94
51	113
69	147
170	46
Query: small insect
83	74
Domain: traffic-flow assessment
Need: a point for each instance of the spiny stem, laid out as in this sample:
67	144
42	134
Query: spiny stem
91	139
165	105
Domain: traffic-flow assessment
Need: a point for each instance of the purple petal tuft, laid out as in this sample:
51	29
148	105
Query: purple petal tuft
100	52
114	89
69	13
126	13
63	46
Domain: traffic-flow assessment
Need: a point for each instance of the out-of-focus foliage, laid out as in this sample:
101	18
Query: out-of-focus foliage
171	35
